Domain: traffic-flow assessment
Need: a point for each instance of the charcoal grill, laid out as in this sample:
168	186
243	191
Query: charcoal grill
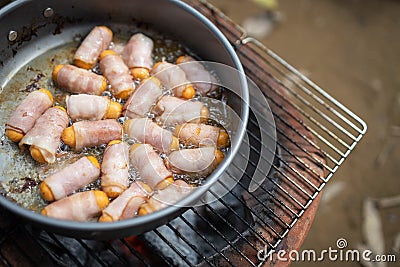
315	134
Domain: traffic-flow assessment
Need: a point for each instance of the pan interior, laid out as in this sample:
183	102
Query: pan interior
20	175
27	63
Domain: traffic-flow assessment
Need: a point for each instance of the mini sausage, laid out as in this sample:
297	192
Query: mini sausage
137	55
98	40
117	73
202	80
81	207
126	205
91	133
172	110
140	102
44	137
146	131
28	111
114	168
166	197
92	107
198	134
200	161
173	78
150	166
71	178
77	80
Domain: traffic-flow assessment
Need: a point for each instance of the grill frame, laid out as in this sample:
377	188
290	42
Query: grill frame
301	171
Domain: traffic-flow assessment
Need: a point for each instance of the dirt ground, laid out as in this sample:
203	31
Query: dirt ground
351	48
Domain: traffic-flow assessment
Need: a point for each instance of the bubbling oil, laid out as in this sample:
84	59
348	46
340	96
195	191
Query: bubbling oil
20	175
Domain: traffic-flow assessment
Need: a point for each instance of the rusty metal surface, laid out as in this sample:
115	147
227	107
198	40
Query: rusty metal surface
290	136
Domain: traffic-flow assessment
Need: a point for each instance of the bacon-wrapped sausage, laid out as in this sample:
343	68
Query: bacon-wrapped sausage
140	102
117	73
166	197
96	41
80	207
77	80
114	168
92	107
172	110
202	80
201	161
137	55
146	131
44	137
150	166
173	78
126	205
198	134
28	111
73	177
91	133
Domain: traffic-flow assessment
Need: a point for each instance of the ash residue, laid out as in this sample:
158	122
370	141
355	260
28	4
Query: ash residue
3	191
23	184
24	191
33	83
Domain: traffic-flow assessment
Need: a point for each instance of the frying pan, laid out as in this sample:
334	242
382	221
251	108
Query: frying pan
29	29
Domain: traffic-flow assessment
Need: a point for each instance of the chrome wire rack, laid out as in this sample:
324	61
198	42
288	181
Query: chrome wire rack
315	134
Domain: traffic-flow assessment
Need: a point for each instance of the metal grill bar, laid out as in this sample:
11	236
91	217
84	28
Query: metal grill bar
286	176
322	92
277	170
223	236
316	110
217	251
115	253
193	247
252	212
91	253
38	241
264	224
261	186
166	241
258	200
163	257
340	161
280	145
230	225
261	203
61	245
4	260
360	131
134	252
276	116
24	255
278	157
257	101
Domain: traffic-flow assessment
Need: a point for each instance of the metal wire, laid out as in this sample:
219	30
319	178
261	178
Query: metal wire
134	252
91	252
67	251
192	246
4	260
166	259
113	251
217	251
224	237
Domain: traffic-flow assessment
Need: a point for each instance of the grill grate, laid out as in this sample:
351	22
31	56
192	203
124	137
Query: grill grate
315	133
